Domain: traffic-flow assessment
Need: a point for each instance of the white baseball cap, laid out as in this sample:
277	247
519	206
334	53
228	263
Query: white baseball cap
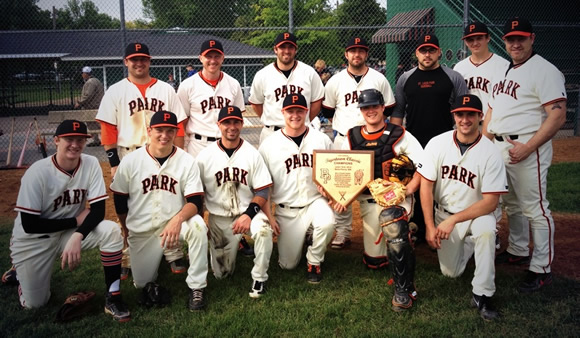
87	69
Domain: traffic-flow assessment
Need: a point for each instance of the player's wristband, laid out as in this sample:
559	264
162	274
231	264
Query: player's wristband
252	210
113	157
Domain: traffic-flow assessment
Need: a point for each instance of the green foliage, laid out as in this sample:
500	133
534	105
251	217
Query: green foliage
564	187
84	14
23	14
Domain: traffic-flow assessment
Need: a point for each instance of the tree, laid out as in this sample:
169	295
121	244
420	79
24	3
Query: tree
84	14
361	13
23	14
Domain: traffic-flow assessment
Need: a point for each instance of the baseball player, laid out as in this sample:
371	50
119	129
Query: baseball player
204	94
340	104
158	194
283	77
527	108
289	157
464	174
53	219
387	141
424	96
124	113
236	182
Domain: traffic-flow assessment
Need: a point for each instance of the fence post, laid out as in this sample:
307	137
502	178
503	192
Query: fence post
290	17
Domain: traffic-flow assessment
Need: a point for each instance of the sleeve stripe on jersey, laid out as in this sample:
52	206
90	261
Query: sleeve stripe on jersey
427	178
318	100
554	101
119	193
99	198
194	194
495	192
392	105
264	187
30	211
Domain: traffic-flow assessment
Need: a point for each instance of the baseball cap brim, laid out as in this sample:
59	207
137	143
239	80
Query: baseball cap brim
428	45
137	54
357	46
286	41
473	34
212	49
295	106
519	33
231	117
74	134
468	109
163	125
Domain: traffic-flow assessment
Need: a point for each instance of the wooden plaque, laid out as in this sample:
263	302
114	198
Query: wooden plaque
343	174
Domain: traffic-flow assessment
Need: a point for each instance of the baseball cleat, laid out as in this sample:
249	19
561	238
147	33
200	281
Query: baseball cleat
125	273
178	266
340	242
508	258
401	302
245	248
314	274
9	277
196	299
115	307
535	281
483	305
258	289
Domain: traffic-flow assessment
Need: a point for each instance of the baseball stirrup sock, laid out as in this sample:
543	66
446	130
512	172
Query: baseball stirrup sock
112	266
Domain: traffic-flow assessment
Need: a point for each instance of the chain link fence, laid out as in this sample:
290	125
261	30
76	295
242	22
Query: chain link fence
44	44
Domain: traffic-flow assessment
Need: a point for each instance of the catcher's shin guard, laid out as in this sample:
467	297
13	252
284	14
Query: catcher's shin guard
401	255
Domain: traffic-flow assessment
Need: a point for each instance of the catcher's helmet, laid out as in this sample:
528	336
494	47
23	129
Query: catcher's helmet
370	97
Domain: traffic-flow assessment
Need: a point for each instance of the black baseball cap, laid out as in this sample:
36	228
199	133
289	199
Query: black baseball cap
285	37
428	40
163	118
517	26
370	97
71	128
294	100
357	42
137	49
209	45
230	112
467	103
475	28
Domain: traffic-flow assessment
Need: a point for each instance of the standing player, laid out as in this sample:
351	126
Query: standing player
288	156
340	104
124	114
527	109
204	94
424	96
53	219
387	141
236	182
158	194
464	175
283	77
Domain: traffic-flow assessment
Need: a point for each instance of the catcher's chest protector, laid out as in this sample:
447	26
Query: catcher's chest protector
383	146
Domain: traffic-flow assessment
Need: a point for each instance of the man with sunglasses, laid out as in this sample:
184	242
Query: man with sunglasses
424	96
527	108
462	176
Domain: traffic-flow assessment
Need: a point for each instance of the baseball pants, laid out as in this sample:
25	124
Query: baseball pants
146	252
266	131
527	182
34	258
343	224
195	146
224	246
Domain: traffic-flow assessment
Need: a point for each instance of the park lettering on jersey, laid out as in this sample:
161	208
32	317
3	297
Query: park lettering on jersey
143	103
477	82
283	91
68	197
236	175
351	98
217	102
509	89
459	174
159	182
298	161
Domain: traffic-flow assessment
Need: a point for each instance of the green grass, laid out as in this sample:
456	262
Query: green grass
564	187
351	301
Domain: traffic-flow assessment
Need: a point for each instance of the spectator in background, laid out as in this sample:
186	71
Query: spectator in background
322	71
171	81
190	70
91	96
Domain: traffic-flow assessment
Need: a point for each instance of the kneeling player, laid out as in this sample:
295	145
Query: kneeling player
157	198
53	219
464	174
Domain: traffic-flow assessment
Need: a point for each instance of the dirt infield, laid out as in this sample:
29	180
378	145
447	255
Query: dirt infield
567	259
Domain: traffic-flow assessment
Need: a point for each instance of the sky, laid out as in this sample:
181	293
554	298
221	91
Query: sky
133	8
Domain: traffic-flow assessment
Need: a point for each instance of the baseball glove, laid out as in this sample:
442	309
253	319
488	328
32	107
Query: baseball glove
153	294
75	306
399	169
386	195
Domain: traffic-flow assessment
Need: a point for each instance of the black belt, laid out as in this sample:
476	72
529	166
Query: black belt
512	137
199	137
447	211
287	207
275	127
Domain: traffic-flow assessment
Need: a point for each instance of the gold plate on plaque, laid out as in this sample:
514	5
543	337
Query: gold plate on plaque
343	174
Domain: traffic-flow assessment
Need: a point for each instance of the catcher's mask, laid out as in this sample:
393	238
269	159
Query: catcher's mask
399	169
370	97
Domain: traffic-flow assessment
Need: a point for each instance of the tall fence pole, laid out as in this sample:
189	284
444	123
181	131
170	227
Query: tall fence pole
465	20
290	16
123	30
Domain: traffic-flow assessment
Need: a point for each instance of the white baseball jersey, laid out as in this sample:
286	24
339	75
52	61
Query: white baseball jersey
50	192
156	193
124	106
341	93
518	99
480	78
202	102
270	87
230	182
291	166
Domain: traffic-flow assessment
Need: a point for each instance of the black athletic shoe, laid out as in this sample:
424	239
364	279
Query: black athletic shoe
507	258
245	248
9	277
401	302
196	299
115	307
535	281
258	289
314	274
483	305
